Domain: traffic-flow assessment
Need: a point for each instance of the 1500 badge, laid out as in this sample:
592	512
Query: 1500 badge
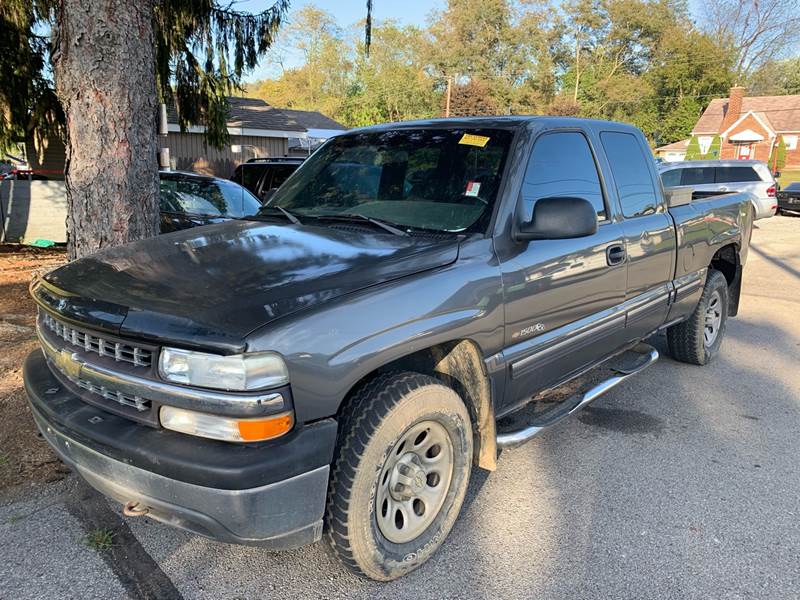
532	330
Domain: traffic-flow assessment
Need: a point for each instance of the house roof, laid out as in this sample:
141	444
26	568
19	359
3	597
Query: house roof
674	146
782	113
251	113
312	119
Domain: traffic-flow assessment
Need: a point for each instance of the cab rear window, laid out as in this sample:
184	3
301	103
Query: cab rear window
631	170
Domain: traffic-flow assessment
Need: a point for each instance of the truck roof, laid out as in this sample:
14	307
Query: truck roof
508	121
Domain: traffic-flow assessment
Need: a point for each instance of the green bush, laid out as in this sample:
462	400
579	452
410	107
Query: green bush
777	158
693	149
714	149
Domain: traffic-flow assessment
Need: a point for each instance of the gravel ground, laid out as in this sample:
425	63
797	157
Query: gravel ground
682	483
22	459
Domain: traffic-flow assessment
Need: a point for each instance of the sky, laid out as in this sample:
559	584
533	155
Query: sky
347	12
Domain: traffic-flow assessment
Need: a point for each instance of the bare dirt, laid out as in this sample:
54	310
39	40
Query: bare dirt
24	457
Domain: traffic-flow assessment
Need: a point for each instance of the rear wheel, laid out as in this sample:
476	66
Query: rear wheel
698	339
400	474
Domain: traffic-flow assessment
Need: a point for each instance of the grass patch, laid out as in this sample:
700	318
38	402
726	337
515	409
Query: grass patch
3	460
100	539
788	177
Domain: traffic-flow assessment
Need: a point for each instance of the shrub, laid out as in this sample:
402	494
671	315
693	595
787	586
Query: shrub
777	158
693	149
714	149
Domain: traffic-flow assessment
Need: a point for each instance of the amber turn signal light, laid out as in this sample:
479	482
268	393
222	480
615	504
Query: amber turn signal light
257	430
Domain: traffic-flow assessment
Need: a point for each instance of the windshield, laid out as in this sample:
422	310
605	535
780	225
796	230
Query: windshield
440	179
206	197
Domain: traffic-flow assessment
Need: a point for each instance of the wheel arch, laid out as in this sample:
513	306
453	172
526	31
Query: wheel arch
459	365
727	261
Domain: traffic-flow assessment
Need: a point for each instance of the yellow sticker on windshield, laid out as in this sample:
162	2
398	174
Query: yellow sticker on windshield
474	140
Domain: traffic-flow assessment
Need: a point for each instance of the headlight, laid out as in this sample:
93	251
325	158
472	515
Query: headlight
239	372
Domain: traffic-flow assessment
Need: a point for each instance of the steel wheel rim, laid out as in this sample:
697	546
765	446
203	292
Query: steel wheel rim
713	319
414	482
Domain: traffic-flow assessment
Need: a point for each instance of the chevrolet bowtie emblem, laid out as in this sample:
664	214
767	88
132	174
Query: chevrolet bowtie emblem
69	364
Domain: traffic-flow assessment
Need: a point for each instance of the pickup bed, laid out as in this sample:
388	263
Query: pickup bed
337	364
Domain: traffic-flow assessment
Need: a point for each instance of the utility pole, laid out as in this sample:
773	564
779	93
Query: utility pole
447	103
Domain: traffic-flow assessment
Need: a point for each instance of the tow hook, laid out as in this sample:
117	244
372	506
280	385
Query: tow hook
133	508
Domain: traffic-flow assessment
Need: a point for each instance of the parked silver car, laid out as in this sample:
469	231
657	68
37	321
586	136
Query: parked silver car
713	177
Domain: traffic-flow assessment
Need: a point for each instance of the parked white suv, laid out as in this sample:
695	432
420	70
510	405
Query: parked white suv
713	177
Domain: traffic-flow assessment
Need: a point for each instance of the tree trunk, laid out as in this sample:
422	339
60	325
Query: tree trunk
104	66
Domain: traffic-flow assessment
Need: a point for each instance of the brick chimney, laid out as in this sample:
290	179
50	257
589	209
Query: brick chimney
734	107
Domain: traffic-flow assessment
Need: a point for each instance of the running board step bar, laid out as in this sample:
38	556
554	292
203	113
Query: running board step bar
644	356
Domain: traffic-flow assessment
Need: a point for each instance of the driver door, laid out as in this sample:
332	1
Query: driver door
562	296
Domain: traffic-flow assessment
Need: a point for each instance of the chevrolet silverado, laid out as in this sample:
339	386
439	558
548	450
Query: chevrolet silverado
337	365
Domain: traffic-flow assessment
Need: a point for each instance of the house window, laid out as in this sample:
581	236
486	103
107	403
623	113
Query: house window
705	143
790	141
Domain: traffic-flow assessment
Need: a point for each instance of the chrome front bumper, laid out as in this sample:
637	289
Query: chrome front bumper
281	515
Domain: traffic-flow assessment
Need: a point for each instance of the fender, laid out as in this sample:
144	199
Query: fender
330	348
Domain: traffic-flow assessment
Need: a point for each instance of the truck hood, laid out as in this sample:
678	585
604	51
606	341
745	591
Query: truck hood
211	286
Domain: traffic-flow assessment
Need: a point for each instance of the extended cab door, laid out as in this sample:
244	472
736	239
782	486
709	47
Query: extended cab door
562	296
648	230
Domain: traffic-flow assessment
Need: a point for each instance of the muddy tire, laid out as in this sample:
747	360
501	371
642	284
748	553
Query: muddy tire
399	475
698	339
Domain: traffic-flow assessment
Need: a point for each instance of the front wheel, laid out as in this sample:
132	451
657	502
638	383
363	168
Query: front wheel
400	474
698	339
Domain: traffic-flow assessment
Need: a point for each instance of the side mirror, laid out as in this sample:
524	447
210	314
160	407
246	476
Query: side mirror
559	218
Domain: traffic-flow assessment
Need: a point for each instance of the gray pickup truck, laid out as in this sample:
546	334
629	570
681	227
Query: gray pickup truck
338	364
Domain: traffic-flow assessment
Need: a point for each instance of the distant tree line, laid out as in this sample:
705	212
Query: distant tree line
641	61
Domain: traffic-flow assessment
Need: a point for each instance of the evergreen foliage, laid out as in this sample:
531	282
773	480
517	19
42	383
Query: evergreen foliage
26	95
714	149
777	158
202	51
693	149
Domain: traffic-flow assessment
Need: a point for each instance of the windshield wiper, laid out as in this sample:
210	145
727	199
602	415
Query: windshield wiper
292	218
377	222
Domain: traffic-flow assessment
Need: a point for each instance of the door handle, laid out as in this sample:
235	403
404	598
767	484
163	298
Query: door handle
615	254
722	188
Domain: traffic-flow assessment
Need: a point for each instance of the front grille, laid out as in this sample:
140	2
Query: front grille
124	399
89	342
